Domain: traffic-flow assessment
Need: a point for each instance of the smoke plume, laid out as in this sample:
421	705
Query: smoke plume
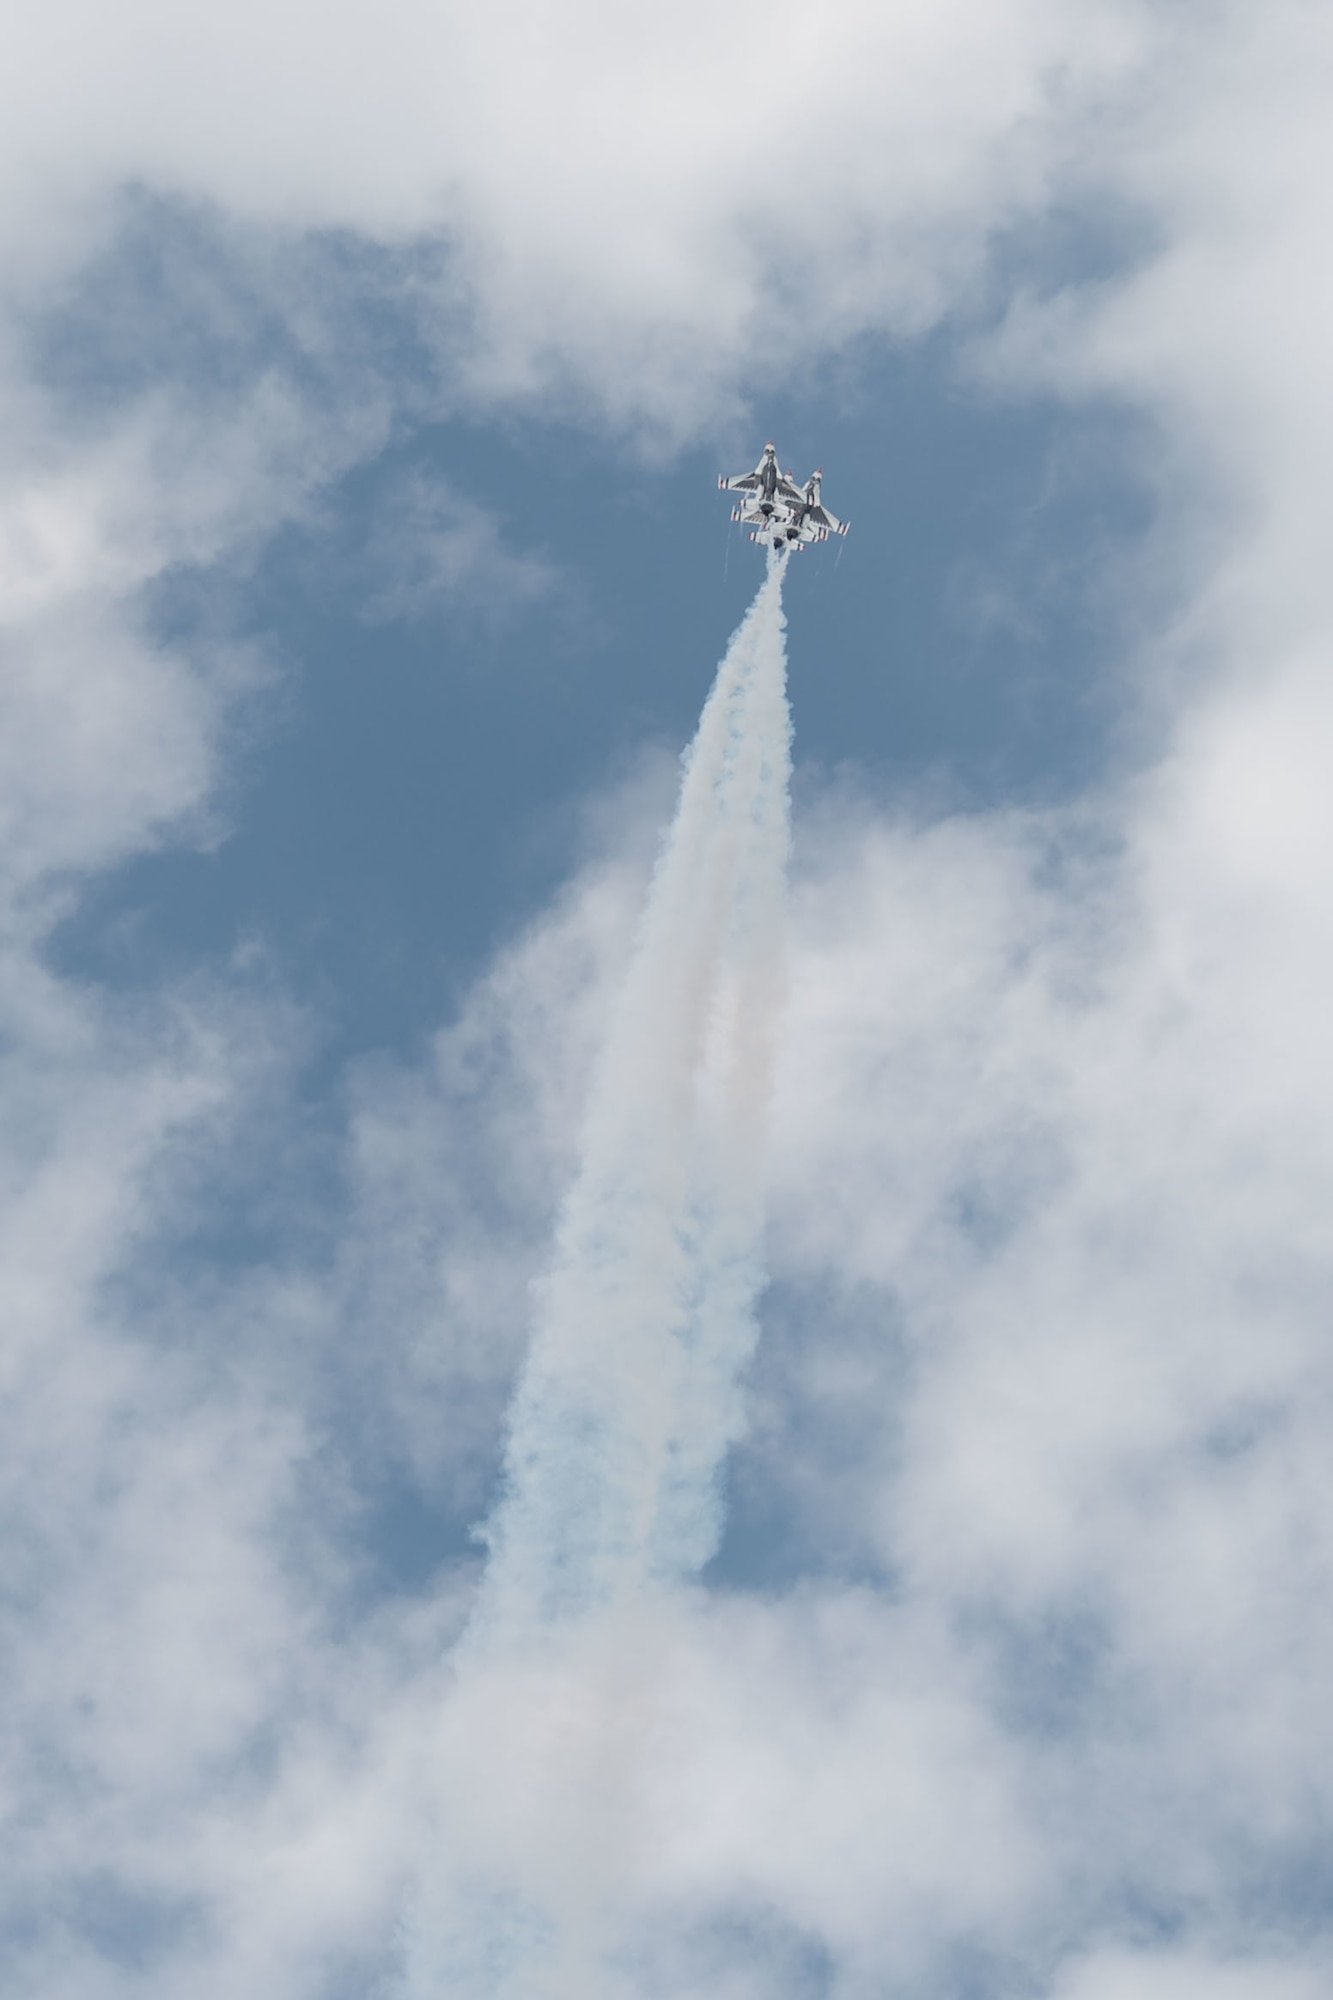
630	1396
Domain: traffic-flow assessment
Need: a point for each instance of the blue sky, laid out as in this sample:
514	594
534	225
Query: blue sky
365	378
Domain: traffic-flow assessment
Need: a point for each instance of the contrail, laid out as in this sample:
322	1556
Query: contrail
628	1400
630	1397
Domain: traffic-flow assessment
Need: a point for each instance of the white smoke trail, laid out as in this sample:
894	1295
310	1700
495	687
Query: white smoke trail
629	1401
630	1397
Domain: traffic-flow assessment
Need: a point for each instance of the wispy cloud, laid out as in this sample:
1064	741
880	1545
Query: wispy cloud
433	550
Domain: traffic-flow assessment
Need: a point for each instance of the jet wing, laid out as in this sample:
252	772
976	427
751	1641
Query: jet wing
742	482
786	489
820	517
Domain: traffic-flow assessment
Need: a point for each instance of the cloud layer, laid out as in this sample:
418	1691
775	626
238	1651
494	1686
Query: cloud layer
1030	1694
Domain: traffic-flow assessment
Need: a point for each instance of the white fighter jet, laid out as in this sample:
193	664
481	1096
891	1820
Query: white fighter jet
778	531
812	517
768	488
779	513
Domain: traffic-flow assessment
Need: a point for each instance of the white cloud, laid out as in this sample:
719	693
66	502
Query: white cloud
431	546
624	193
1189	1976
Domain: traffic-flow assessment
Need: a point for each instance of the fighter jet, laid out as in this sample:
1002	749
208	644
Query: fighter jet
769	488
778	531
813	515
779	513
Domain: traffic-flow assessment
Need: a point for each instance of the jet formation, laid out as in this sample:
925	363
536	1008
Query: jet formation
778	512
